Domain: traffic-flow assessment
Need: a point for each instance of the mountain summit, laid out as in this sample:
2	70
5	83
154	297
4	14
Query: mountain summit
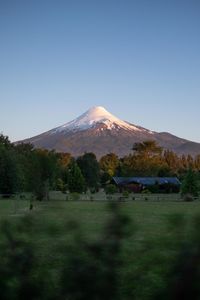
100	132
95	116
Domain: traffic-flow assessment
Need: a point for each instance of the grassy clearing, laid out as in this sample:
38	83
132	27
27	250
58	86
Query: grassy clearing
149	217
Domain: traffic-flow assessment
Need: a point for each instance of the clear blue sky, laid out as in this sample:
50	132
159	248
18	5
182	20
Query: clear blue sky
139	59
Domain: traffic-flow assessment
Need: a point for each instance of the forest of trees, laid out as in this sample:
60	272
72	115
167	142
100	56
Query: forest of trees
24	168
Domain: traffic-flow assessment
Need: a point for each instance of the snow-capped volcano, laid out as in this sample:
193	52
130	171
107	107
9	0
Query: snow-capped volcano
95	116
100	132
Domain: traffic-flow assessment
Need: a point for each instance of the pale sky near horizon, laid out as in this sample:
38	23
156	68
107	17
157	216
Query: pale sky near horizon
139	59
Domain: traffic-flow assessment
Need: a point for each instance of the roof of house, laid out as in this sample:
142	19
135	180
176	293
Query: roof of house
146	180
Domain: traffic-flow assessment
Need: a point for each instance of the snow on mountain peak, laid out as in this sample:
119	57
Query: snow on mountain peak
93	116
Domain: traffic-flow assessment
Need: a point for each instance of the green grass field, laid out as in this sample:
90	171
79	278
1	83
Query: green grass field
149	216
156	231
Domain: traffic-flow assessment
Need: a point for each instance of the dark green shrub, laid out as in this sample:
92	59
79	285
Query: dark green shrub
146	191
75	196
188	198
125	194
110	189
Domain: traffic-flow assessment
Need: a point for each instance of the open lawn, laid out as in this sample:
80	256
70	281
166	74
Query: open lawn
156	233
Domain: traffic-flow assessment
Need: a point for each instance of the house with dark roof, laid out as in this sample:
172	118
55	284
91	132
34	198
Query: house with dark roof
152	184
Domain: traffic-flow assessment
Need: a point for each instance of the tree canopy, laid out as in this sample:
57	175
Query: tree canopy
24	168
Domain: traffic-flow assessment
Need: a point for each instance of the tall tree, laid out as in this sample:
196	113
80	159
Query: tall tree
172	161
147	148
145	161
64	160
43	166
9	180
24	157
4	141
197	162
190	184
76	181
90	169
109	163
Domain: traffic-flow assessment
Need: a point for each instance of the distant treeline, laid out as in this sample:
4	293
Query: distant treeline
24	168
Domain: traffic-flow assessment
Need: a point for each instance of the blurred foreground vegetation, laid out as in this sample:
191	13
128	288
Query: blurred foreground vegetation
94	250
